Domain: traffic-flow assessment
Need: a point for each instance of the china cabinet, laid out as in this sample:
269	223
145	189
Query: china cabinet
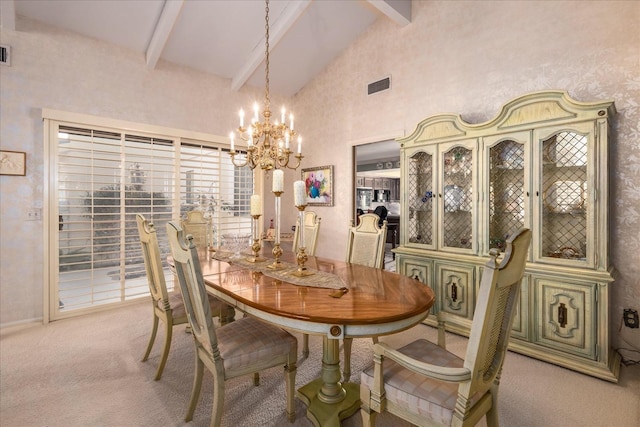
541	163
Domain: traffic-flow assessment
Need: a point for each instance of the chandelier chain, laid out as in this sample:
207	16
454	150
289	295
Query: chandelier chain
267	101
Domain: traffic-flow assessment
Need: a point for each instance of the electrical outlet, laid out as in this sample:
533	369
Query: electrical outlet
34	214
630	318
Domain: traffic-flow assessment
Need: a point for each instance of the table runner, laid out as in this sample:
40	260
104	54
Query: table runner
320	279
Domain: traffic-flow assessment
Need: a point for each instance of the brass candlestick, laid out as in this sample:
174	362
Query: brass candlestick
256	242
277	250
301	256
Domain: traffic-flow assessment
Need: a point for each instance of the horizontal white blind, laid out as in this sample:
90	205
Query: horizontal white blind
104	178
211	183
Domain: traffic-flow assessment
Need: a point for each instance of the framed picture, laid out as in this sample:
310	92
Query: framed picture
319	185
13	163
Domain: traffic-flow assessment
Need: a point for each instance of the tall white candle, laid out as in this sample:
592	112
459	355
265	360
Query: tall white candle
299	193
256	208
283	114
291	121
241	117
255	112
278	181
232	144
299	145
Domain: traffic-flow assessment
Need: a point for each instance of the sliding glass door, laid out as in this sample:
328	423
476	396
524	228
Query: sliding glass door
101	179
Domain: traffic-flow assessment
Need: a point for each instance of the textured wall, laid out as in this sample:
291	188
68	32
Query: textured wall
470	58
60	70
461	57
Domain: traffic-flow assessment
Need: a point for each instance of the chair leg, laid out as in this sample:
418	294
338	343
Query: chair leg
290	381
195	391
305	346
152	338
256	379
368	416
167	347
218	400
492	413
346	373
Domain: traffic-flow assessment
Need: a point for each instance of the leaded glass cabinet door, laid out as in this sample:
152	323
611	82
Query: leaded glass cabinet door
565	205
420	170
457	196
506	188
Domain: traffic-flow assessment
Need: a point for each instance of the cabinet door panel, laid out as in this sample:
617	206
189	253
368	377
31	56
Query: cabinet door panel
564	201
455	289
421	193
506	188
457	198
565	316
419	269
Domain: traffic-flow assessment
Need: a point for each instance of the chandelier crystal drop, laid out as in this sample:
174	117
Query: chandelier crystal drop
268	144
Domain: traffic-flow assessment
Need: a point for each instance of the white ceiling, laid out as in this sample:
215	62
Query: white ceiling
222	37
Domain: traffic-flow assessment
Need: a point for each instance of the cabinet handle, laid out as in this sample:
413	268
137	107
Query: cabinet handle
527	194
537	194
562	315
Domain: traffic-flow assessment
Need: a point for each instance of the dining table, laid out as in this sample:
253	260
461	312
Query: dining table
333	299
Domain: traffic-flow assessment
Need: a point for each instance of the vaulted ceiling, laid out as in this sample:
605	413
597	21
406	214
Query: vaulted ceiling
222	37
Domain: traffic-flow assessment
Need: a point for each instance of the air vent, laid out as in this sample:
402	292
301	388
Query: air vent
379	86
5	52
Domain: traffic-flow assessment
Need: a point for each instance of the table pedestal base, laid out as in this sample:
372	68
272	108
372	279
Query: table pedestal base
329	414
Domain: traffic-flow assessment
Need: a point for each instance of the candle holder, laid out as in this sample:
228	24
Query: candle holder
256	242
301	256
277	250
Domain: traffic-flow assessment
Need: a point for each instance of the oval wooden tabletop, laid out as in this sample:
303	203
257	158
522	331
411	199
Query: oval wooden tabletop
375	296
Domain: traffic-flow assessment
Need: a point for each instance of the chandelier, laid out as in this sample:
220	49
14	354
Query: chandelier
268	144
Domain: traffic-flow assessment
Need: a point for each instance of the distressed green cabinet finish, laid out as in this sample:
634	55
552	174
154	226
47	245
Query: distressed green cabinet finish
455	290
541	163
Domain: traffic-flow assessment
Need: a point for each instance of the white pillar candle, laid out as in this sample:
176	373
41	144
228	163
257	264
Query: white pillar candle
299	145
278	181
232	144
299	193
256	208
241	117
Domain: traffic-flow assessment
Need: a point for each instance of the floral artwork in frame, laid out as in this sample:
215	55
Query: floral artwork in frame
13	163
318	183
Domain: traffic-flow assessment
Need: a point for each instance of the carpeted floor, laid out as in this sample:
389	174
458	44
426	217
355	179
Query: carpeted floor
87	372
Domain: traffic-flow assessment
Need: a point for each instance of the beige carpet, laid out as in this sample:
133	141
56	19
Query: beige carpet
87	372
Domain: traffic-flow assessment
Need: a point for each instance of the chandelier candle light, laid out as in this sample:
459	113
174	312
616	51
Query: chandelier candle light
300	200
277	189
256	212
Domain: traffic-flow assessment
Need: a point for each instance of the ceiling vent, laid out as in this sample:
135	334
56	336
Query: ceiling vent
379	86
5	58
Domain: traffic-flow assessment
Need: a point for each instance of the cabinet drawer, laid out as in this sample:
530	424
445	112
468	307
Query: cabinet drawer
565	316
454	287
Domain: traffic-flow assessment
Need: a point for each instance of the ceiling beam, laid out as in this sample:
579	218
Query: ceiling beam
398	11
8	15
161	33
277	30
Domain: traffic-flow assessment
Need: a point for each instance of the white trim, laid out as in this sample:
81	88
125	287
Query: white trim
86	119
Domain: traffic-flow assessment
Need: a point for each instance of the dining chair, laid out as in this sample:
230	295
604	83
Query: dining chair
425	384
245	346
199	227
311	231
365	245
167	307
